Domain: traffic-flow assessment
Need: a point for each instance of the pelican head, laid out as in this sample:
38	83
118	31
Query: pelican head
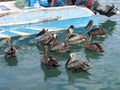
72	27
72	56
69	30
53	39
54	36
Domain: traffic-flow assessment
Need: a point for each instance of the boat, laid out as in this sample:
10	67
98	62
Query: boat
30	21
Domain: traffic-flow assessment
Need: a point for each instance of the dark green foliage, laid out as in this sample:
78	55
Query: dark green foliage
21	4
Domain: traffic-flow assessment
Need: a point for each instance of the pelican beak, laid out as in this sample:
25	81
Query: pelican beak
41	32
89	25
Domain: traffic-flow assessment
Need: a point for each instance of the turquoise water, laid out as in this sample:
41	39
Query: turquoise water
25	72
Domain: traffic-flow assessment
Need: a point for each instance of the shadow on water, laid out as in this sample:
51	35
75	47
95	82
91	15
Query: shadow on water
74	76
57	55
92	55
11	61
50	72
109	26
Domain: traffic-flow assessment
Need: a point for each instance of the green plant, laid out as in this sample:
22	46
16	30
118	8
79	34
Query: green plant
21	4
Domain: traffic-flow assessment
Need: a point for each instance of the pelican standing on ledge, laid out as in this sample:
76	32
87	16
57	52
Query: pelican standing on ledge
77	65
96	47
10	51
49	60
99	32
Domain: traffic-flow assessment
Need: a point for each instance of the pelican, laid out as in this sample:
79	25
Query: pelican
45	37
99	32
75	39
59	47
96	47
69	30
49	60
77	65
10	51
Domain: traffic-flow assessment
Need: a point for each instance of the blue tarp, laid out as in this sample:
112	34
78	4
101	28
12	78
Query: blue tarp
43	3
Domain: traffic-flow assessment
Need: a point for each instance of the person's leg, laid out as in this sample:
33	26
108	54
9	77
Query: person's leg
51	2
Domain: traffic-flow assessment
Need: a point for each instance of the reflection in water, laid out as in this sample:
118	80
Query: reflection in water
77	47
12	61
92	55
74	76
50	72
109	26
39	47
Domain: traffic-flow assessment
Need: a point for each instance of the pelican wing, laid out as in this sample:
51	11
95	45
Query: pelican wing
78	65
99	47
97	32
58	46
74	37
50	61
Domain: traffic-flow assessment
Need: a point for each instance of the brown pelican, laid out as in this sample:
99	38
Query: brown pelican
96	47
10	51
45	37
77	65
49	60
73	38
95	32
59	47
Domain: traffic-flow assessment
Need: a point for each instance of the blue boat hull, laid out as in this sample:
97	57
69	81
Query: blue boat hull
55	19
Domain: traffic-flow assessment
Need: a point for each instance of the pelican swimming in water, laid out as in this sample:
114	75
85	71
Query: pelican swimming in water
59	47
96	47
77	65
69	30
74	38
10	51
99	32
45	37
49	60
